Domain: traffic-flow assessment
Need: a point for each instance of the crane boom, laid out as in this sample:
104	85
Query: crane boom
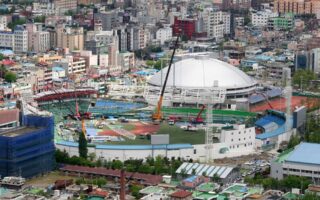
158	115
199	114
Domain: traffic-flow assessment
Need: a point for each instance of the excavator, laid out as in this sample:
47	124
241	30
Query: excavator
157	115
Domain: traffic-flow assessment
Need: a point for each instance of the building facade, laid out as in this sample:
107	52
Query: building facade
70	37
20	40
296	163
261	18
164	34
28	150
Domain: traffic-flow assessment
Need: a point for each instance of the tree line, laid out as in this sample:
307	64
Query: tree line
157	166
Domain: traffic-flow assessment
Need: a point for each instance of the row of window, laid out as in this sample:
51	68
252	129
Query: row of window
302	171
240	139
238	146
239	132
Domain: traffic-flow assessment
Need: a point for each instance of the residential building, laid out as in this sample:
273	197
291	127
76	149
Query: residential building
137	38
297	6
38	40
3	22
108	20
20	39
216	31
238	21
181	195
70	37
295	162
236	4
113	57
216	20
123	39
98	41
72	65
48	58
6	39
126	61
283	23
261	18
164	34
62	6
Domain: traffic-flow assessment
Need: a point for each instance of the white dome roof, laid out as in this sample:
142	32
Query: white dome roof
203	73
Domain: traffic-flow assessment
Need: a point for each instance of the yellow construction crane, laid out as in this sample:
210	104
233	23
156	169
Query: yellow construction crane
157	116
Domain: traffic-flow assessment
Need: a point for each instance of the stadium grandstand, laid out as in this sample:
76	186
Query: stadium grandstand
263	95
271	127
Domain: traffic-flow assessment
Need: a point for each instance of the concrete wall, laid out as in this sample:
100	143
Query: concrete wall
197	153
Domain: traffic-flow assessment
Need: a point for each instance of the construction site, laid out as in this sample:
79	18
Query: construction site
197	110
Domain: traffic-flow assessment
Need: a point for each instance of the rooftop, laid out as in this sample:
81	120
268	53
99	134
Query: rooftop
181	194
298	155
17	131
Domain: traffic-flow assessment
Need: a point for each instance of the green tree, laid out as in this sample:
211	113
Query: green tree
302	77
83	146
10	77
69	13
247	21
92	156
310	196
40	19
159	165
294	140
135	191
13	24
61	156
116	164
3	71
150	63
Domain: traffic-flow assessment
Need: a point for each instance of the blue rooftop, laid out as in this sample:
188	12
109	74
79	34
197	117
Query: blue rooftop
305	153
191	179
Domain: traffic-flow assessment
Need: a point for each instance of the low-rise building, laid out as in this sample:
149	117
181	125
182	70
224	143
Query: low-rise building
303	161
261	18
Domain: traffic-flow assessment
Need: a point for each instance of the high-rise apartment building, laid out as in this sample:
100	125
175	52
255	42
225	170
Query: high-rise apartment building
70	37
298	7
20	39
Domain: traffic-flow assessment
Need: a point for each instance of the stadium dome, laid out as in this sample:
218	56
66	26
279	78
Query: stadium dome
203	73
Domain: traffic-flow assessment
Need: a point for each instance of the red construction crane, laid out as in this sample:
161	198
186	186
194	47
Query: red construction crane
198	119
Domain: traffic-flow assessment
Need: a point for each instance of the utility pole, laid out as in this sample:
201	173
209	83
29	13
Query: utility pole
122	185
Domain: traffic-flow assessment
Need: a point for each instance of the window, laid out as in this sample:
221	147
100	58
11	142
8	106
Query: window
231	140
194	151
239	139
237	146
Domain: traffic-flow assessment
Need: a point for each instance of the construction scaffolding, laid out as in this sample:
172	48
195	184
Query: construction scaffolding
28	150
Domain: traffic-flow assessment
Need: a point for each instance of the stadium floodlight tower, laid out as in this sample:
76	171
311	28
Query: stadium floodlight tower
288	95
209	134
